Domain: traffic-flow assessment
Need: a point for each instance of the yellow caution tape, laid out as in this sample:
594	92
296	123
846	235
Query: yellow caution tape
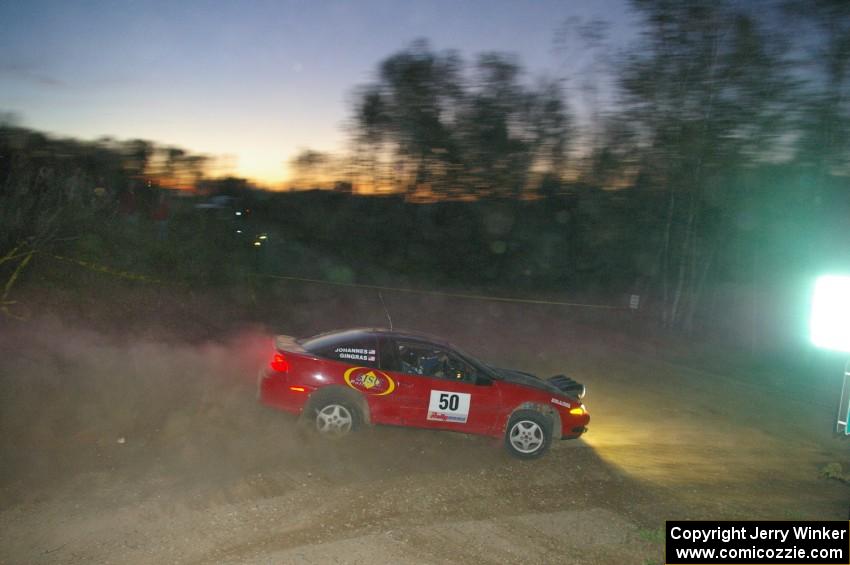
11	255
7	288
27	256
449	294
108	270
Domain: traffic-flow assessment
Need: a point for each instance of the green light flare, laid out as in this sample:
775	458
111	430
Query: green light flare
829	325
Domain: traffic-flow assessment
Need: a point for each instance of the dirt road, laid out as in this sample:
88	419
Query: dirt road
125	449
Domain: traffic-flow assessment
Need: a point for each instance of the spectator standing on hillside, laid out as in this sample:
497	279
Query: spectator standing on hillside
160	214
128	206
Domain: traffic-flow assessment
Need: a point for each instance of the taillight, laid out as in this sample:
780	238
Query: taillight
279	363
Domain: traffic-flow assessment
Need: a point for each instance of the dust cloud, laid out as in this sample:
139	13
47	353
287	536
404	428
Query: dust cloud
75	399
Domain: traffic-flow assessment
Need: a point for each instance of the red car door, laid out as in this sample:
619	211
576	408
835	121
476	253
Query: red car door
355	363
438	389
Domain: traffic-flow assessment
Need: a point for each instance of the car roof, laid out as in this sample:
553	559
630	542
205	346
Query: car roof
335	337
354	333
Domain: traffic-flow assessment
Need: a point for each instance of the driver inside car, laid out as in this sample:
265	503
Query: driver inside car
409	361
429	363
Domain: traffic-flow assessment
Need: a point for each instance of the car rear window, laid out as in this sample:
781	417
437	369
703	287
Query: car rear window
345	348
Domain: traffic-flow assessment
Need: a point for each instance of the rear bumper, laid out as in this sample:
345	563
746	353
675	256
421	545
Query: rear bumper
273	390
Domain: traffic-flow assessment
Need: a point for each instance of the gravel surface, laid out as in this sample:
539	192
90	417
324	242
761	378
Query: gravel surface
119	448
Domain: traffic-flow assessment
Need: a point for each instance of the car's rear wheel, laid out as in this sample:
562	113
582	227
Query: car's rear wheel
332	416
528	435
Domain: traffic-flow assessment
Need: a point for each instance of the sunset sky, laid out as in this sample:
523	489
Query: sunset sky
255	81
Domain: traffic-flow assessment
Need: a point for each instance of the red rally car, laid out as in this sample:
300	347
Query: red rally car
340	380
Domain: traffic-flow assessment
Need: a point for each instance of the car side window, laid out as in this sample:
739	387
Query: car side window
458	369
359	352
418	358
387	359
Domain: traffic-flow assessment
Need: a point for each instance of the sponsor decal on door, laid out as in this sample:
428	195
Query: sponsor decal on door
370	381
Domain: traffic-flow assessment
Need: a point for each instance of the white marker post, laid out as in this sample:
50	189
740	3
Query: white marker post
843	426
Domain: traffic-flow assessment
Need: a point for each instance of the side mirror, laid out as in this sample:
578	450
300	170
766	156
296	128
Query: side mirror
482	380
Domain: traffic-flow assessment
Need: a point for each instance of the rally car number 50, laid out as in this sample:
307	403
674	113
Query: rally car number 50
448	406
339	381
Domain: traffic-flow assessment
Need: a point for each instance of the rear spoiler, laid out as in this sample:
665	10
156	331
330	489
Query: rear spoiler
288	343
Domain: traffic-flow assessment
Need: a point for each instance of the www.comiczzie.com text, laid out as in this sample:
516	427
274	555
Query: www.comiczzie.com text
800	542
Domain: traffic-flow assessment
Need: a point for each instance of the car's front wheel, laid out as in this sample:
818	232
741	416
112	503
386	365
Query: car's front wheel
528	435
332	416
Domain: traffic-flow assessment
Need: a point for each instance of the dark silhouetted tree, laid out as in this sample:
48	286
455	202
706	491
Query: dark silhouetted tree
434	128
705	92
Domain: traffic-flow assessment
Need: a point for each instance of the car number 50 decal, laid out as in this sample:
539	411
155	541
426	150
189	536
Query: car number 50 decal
448	406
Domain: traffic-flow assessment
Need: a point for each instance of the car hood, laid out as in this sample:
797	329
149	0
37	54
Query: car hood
527	379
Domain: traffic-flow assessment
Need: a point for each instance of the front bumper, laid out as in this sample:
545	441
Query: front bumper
575	432
575	427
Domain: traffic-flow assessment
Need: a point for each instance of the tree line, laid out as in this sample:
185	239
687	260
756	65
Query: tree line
711	101
720	154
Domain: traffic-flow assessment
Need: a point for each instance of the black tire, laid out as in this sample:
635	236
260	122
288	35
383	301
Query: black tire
528	434
331	415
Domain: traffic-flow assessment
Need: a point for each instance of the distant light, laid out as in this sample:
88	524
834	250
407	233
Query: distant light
829	324
238	231
258	243
264	237
238	213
